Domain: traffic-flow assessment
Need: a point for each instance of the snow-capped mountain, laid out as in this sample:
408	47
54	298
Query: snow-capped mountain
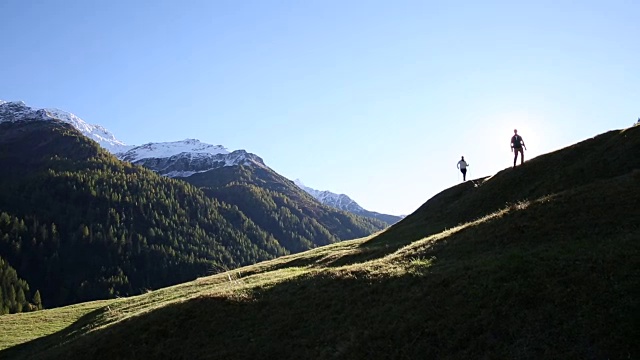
173	159
187	157
343	202
340	201
169	149
19	111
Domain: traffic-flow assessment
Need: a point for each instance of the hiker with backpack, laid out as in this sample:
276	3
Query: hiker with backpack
516	146
462	165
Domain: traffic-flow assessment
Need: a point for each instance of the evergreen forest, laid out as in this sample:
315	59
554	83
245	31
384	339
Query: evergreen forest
78	224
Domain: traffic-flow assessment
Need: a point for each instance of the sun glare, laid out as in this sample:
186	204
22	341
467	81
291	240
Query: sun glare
487	139
530	126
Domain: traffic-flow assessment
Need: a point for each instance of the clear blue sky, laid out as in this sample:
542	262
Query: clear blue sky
375	99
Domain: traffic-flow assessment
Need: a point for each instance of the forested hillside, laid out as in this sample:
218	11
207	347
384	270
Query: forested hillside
277	205
78	224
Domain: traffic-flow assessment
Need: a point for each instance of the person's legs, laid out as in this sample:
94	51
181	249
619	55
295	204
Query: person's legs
464	174
515	156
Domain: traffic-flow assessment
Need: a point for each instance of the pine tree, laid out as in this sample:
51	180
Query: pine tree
11	300
37	300
21	300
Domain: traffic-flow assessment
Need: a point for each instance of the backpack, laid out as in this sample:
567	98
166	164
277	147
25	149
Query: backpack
516	140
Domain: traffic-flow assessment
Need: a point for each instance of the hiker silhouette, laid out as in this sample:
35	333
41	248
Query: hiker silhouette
516	147
462	165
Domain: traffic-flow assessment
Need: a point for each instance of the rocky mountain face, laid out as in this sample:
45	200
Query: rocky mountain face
187	157
12	111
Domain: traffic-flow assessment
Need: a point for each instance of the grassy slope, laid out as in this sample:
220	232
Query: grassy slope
541	261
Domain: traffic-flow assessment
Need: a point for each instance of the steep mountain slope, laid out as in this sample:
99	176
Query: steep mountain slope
547	265
294	218
602	157
86	225
182	159
273	202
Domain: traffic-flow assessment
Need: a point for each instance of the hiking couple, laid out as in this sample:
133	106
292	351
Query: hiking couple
517	145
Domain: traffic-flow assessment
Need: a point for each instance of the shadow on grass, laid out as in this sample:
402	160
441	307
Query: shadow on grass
508	306
34	348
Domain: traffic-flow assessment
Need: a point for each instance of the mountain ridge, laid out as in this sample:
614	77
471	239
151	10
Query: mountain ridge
187	157
18	111
173	159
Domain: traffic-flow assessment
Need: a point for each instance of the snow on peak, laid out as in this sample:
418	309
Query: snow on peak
187	157
16	103
169	149
19	111
340	201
